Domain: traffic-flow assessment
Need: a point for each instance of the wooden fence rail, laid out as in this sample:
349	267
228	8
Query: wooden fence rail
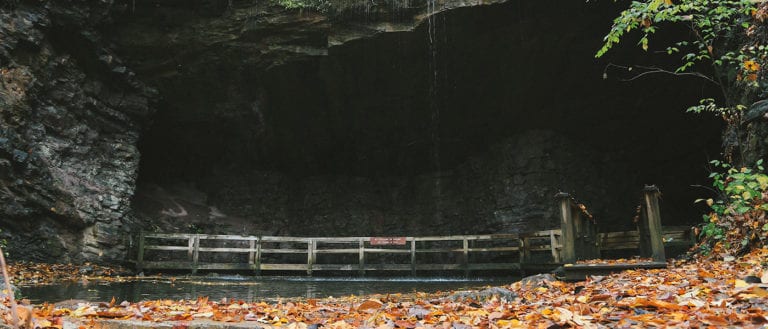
466	252
272	253
577	239
582	240
461	253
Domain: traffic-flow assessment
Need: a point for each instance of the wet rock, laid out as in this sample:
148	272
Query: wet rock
418	312
71	304
86	270
559	273
538	280
20	156
483	295
4	292
752	279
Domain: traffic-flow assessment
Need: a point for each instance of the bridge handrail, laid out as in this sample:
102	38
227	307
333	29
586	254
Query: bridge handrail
524	245
313	246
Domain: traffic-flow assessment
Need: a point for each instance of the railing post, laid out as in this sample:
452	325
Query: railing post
555	246
361	256
523	250
258	255
591	237
140	255
196	253
310	255
654	222
578	233
191	248
568	252
586	235
413	256
644	233
465	258
251	252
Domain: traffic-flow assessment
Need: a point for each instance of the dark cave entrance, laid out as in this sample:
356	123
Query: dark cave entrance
471	132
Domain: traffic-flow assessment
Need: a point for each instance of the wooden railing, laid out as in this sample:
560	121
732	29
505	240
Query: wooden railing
672	236
460	253
362	254
580	235
577	239
582	240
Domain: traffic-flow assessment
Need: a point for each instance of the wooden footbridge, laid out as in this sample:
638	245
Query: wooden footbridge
576	239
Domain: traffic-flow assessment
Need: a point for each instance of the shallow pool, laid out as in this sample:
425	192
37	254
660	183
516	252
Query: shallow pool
247	288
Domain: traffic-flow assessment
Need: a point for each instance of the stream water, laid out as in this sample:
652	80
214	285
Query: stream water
247	288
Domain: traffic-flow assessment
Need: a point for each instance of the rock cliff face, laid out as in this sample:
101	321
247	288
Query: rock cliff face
375	117
70	113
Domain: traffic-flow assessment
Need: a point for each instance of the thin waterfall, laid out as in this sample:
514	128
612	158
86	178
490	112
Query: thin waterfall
434	107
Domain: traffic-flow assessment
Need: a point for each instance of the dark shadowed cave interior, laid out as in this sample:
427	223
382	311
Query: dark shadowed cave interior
468	124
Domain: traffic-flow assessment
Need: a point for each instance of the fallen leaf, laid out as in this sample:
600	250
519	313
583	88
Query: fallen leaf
370	304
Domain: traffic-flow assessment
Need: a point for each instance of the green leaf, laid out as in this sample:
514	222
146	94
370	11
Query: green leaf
654	5
762	180
742	210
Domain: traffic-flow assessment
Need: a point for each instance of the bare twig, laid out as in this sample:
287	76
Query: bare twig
706	188
647	70
14	314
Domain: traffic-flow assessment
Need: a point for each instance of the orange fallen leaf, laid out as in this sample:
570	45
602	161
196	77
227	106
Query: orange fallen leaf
370	304
405	324
715	320
112	314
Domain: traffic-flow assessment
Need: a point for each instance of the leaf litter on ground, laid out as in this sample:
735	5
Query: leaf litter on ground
28	273
692	294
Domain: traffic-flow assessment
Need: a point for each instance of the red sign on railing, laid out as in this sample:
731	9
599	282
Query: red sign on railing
383	241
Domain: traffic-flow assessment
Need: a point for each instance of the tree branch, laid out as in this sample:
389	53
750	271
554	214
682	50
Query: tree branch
648	70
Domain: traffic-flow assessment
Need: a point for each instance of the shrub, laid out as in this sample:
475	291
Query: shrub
737	219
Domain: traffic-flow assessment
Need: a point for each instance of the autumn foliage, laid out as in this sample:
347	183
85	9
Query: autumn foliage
737	220
695	294
27	273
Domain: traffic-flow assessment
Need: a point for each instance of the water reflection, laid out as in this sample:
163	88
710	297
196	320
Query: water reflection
246	288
